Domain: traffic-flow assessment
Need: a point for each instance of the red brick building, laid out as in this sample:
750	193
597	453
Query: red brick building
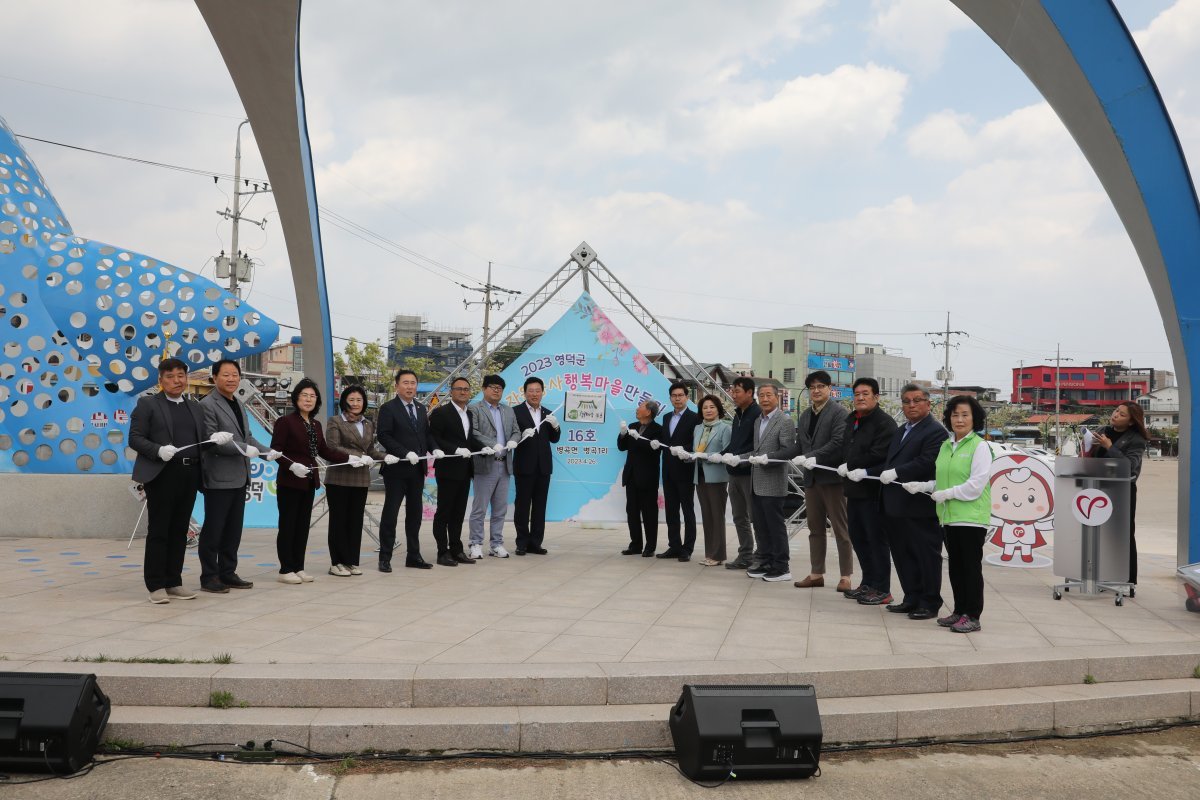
1080	386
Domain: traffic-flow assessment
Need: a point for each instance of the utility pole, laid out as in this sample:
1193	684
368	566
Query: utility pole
1058	359
488	304
944	374
236	267
1020	378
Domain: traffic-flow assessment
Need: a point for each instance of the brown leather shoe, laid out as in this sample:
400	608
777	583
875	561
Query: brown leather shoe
810	583
843	585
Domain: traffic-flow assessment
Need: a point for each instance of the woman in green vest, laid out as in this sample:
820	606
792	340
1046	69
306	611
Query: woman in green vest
963	495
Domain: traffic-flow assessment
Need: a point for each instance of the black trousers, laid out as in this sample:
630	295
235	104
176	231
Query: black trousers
770	528
870	542
641	511
169	501
406	489
451	511
916	544
529	512
1132	541
347	507
221	534
678	496
964	551
295	517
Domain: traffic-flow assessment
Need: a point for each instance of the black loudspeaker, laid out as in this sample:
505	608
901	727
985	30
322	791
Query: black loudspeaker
757	731
50	722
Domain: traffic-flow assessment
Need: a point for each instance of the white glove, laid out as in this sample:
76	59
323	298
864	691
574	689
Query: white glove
623	428
799	460
714	458
391	459
412	458
759	460
843	470
355	461
553	420
251	451
856	475
633	434
887	476
676	451
272	454
686	456
941	495
439	454
462	451
512	445
221	437
487	451
655	444
810	462
299	470
167	452
732	459
912	487
525	434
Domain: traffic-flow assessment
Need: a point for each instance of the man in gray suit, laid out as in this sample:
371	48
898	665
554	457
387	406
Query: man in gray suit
494	431
774	440
819	437
226	476
167	432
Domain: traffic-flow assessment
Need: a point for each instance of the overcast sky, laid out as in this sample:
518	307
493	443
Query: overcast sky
868	164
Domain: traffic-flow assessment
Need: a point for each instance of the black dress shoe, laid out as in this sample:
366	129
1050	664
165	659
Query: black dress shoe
520	552
901	608
668	554
235	582
630	551
216	587
538	551
463	558
418	564
648	553
446	560
385	566
685	557
922	613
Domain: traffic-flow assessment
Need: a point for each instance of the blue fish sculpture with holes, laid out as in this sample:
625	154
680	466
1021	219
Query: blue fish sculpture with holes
85	326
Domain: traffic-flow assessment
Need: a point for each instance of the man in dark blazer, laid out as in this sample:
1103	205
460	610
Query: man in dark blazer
167	432
403	431
911	519
226	476
639	476
533	463
450	427
679	476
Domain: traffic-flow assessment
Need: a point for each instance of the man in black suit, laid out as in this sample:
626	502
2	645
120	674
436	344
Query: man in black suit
533	463
679	476
167	432
404	433
911	519
640	479
450	427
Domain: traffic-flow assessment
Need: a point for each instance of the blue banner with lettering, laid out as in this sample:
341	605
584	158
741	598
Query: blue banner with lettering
830	362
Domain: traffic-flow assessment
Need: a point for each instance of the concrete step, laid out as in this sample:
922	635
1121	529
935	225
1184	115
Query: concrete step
931	716
599	684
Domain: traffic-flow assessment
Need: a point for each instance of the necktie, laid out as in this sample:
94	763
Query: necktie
412	413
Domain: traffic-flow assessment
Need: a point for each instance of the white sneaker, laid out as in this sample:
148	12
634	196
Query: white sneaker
339	570
353	570
180	593
499	552
289	577
304	576
476	551
159	596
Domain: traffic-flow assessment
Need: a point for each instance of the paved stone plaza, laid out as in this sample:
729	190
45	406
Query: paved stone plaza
584	602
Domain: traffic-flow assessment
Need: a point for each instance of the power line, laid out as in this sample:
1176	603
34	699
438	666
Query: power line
147	162
118	99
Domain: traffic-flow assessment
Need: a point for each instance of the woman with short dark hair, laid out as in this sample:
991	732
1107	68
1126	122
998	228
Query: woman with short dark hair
1125	436
297	436
712	435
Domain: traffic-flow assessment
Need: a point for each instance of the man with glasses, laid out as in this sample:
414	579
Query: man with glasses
774	441
911	520
450	427
819	437
495	435
679	476
868	434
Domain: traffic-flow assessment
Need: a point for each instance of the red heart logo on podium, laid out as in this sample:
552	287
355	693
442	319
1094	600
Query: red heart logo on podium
1092	507
1085	504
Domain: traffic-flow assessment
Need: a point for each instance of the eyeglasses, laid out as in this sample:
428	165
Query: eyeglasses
914	402
818	386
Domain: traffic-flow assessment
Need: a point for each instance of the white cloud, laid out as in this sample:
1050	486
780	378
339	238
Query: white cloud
916	32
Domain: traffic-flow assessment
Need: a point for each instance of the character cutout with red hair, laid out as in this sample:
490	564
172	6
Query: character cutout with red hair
1022	506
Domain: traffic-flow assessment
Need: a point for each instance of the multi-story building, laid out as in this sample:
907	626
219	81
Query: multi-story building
1161	407
789	354
1102	384
888	365
409	336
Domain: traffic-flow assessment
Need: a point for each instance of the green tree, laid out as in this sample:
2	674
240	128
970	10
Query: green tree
1005	417
364	362
424	367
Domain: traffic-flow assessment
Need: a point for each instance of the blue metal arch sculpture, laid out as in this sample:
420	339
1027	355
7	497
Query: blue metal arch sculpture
86	325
